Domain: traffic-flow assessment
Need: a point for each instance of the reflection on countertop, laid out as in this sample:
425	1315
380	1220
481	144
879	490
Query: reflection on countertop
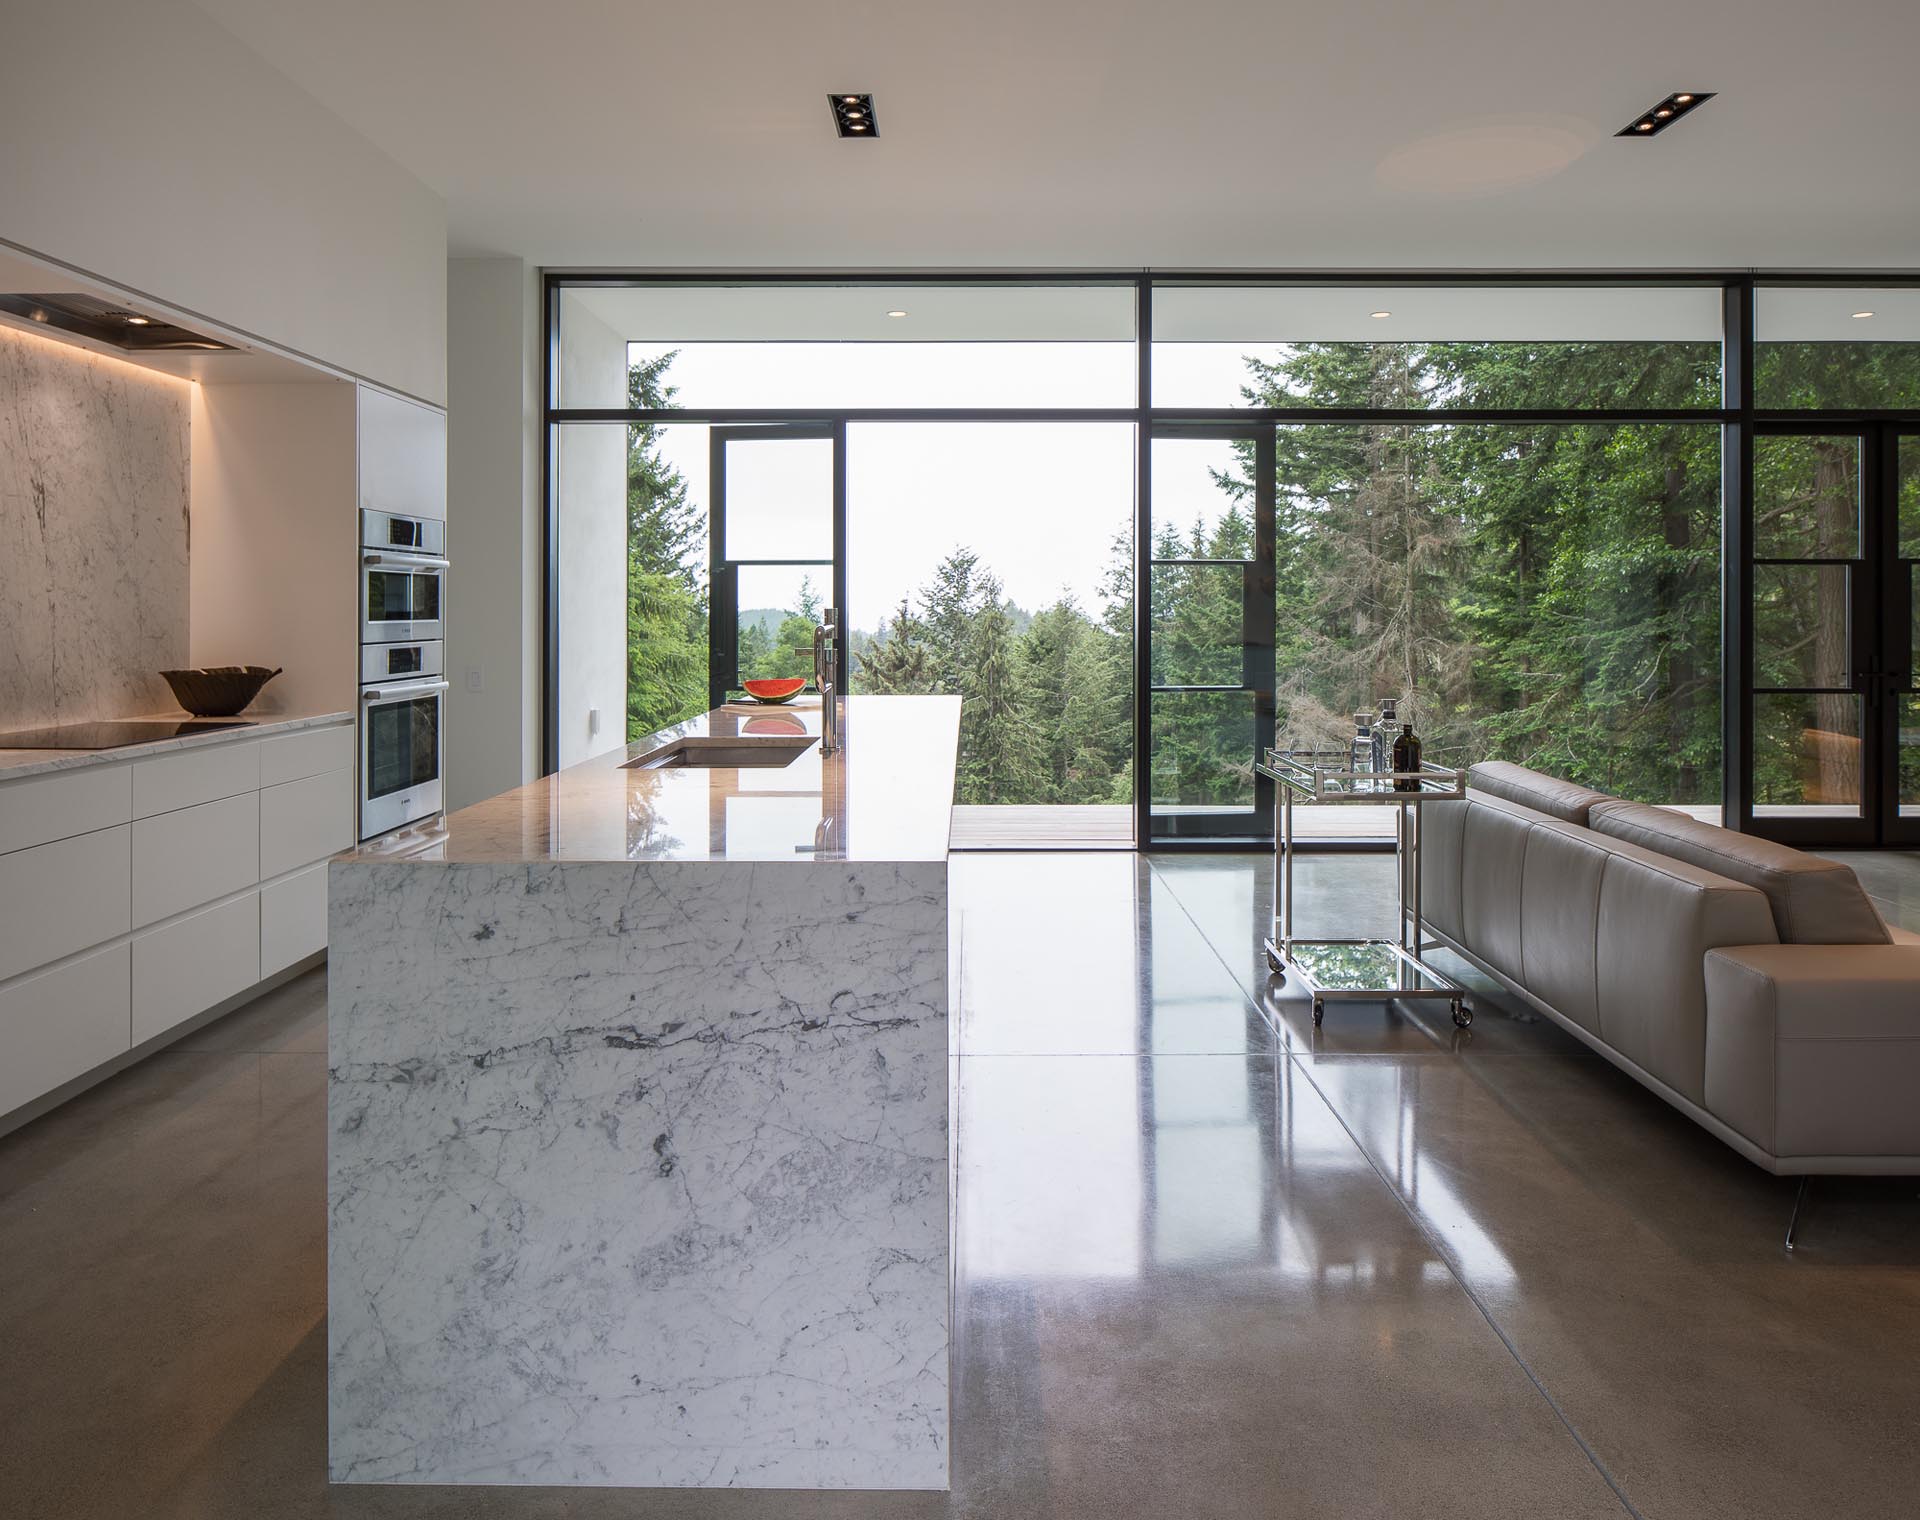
887	795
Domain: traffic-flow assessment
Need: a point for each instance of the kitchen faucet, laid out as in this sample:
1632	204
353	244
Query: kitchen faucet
826	648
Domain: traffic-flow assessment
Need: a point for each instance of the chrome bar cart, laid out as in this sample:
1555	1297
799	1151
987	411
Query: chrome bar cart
1359	970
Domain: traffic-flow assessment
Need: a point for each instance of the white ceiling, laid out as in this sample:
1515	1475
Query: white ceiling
1375	134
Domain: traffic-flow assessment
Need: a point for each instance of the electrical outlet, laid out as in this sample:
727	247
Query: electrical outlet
593	720
473	678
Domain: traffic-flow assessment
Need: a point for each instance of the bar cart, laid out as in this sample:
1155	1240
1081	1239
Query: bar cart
1359	970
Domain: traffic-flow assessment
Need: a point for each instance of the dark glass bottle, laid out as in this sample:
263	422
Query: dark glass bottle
1406	757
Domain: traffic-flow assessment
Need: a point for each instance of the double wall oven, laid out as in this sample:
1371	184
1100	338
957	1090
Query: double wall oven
403	686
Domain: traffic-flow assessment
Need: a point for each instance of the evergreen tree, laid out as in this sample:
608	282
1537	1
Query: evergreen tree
666	573
899	661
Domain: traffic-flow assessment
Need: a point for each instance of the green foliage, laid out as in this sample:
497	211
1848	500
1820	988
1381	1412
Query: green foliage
666	573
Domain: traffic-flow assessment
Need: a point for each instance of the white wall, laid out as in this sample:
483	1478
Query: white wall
590	478
493	487
275	539
144	144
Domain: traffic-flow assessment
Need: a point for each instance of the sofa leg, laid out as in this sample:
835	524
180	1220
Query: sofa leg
1799	1202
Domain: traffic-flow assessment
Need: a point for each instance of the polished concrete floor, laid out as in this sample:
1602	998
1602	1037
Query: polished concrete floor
1210	1260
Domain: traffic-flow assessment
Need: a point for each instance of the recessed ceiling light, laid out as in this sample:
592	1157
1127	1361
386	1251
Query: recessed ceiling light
853	115
896	313
1859	314
1376	315
138	321
1665	113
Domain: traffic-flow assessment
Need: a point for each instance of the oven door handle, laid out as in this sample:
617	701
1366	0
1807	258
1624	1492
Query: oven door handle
407	561
401	693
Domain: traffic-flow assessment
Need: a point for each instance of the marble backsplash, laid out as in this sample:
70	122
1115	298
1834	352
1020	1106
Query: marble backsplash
93	533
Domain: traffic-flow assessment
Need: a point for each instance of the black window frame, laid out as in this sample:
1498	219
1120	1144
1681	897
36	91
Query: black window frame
1737	415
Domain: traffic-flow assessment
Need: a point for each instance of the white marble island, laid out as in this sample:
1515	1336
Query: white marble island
637	1164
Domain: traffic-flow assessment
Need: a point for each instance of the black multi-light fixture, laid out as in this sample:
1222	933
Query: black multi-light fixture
1664	115
853	115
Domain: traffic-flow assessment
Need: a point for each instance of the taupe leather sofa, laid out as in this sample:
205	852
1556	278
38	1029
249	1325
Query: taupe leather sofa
1752	986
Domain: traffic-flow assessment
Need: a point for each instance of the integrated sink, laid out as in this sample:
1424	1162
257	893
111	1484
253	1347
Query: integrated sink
725	754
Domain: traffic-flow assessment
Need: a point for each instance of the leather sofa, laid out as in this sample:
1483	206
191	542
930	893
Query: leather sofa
1752	986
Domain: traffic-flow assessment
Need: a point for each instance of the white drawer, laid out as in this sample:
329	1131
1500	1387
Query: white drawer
288	757
190	776
188	966
293	918
305	821
55	1026
193	855
63	897
56	806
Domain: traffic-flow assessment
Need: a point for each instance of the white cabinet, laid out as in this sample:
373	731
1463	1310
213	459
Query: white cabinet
62	1023
304	821
56	806
288	757
293	918
63	897
403	456
135	895
193	855
185	967
190	776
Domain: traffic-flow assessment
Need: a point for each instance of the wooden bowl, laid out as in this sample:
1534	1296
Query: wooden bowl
218	691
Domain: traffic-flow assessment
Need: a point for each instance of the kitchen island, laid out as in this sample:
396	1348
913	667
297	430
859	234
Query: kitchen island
637	1107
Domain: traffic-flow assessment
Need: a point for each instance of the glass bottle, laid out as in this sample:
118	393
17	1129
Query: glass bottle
1406	757
1366	744
1383	734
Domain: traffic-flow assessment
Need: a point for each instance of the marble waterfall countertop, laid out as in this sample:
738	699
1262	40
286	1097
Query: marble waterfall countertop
15	763
637	1108
886	795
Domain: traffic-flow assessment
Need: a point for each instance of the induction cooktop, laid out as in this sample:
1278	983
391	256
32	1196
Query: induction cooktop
117	734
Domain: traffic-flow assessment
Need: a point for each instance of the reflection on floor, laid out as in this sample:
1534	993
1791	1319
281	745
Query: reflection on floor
1211	1261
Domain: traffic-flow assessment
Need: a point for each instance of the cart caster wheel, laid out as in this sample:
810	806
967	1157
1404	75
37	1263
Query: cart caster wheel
1462	1015
1319	1012
1275	966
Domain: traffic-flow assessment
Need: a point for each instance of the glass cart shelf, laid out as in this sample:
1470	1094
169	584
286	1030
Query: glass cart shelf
1359	970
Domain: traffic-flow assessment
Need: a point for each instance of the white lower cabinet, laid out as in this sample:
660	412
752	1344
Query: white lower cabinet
62	1023
187	966
193	855
61	897
139	894
304	821
293	918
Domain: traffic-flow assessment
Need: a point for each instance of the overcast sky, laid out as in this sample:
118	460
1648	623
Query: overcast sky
1039	502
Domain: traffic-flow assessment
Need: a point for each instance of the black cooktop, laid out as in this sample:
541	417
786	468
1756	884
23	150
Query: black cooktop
115	735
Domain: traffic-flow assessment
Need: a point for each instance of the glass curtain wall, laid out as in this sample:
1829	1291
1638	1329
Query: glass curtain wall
1499	503
1532	588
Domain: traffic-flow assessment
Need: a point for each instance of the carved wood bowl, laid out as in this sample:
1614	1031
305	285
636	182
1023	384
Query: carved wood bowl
218	691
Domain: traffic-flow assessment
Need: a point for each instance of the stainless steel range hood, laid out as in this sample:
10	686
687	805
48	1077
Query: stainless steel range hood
103	321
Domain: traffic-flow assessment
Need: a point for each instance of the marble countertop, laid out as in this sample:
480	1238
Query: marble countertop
15	763
887	795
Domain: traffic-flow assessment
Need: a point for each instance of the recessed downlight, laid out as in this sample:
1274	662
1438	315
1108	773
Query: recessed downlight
138	321
1665	113
853	115
1858	315
1379	315
896	313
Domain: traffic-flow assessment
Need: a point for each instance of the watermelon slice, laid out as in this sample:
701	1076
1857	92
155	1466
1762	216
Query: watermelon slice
785	689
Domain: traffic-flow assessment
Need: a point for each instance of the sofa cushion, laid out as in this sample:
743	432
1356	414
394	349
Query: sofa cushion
1814	901
1565	800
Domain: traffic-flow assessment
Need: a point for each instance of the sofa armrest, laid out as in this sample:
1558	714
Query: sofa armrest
1813	1051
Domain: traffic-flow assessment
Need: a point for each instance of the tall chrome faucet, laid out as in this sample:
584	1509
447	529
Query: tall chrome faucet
826	648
